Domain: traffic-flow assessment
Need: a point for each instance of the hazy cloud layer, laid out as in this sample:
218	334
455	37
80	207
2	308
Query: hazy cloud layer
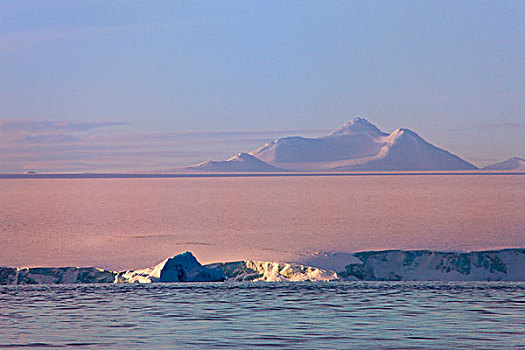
40	126
62	146
108	146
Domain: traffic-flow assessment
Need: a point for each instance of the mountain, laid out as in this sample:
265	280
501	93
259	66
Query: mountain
515	163
405	150
357	146
242	162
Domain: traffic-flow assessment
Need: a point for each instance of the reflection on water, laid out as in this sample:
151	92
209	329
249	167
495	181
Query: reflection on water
338	315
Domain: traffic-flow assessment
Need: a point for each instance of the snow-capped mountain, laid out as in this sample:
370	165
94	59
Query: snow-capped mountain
242	162
515	163
357	146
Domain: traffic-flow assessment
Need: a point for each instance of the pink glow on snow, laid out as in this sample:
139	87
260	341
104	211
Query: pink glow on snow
124	223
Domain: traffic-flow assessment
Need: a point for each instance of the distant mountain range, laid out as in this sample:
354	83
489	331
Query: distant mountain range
357	146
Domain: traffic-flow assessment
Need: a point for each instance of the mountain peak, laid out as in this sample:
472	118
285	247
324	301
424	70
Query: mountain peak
355	126
242	157
402	132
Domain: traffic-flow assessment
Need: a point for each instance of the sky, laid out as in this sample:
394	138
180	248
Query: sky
147	86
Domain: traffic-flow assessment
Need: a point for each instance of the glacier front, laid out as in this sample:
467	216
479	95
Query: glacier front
426	265
250	270
387	265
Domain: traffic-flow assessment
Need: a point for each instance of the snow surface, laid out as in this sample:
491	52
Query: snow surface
336	261
516	163
358	125
357	146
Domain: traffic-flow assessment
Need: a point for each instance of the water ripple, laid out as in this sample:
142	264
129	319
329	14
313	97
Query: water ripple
274	315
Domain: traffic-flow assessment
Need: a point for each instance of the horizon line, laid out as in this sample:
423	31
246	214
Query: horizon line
252	174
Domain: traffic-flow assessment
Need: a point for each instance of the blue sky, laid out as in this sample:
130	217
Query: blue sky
453	71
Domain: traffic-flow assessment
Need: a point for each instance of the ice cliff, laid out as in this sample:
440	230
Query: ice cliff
389	265
425	265
179	268
55	275
273	272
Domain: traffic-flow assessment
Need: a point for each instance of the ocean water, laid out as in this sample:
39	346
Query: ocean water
336	315
124	223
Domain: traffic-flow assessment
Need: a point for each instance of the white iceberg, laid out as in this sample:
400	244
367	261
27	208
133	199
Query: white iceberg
179	268
250	270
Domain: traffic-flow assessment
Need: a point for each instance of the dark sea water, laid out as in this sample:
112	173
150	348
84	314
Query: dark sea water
371	315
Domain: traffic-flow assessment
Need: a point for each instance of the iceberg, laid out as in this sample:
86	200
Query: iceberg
250	270
179	268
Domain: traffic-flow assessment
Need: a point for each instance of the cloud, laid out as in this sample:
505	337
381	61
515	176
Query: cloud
50	138
39	126
201	137
66	146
